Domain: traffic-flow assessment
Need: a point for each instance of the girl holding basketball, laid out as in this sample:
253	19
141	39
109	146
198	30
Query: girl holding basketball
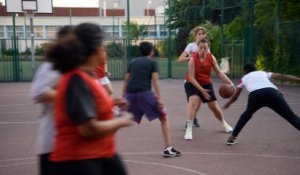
199	88
85	126
199	33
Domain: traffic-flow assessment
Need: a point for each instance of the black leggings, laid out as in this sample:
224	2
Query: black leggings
102	166
267	97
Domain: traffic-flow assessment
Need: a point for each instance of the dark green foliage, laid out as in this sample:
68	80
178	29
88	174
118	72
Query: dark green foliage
180	41
114	50
8	52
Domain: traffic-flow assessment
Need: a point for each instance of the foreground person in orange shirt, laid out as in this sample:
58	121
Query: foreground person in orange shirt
84	122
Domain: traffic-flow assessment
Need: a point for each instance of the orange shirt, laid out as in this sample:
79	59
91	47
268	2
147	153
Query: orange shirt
69	145
202	69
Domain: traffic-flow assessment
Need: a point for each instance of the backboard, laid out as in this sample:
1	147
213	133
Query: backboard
21	6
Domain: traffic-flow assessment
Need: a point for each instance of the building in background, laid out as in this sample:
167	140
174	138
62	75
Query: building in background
111	15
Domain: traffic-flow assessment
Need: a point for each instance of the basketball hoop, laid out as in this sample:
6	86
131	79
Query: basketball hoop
29	7
29	12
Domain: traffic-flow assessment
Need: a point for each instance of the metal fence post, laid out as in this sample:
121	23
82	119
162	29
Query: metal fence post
169	41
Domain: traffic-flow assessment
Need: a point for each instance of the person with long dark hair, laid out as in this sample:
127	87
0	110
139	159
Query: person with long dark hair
85	126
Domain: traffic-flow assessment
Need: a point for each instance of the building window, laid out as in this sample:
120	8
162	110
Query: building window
51	31
151	31
38	32
124	30
111	31
19	31
2	34
163	31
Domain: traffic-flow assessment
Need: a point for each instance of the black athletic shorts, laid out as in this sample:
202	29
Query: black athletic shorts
101	166
45	164
191	90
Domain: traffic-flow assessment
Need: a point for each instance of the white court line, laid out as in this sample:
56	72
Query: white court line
159	164
17	159
16	112
15	105
15	123
220	154
166	166
18	164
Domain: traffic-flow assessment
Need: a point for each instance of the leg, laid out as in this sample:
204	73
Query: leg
165	128
253	105
215	108
192	107
280	106
190	90
169	151
195	121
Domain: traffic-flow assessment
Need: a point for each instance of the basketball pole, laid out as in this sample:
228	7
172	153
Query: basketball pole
32	43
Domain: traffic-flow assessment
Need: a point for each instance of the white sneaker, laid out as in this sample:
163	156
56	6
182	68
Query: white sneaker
188	134
227	128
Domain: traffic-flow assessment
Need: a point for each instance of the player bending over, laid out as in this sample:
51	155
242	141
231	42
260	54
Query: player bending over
262	93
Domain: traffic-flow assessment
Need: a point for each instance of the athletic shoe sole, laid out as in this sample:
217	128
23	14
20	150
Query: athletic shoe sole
231	143
170	156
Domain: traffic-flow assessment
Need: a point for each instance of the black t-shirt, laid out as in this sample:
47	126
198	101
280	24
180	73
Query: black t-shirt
140	71
80	102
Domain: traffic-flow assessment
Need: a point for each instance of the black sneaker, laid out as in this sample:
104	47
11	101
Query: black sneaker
195	123
231	140
171	152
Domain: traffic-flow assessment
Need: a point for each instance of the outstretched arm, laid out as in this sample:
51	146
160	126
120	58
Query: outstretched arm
233	98
284	77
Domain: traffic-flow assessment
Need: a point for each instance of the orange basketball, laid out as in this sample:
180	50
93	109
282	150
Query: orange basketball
226	91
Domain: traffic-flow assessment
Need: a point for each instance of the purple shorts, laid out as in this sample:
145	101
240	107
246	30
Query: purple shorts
144	103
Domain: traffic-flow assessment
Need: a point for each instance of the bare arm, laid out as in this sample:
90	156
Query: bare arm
191	73
155	82
292	78
94	128
125	83
107	73
184	57
233	98
47	97
219	73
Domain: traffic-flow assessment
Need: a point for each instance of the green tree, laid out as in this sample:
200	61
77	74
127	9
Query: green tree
134	31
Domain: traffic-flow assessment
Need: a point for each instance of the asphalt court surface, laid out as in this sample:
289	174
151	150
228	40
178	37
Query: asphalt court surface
267	145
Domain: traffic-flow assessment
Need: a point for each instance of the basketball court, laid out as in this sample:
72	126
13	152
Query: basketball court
267	145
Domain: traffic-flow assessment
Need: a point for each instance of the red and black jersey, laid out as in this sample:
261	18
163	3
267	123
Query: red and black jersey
202	69
69	145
